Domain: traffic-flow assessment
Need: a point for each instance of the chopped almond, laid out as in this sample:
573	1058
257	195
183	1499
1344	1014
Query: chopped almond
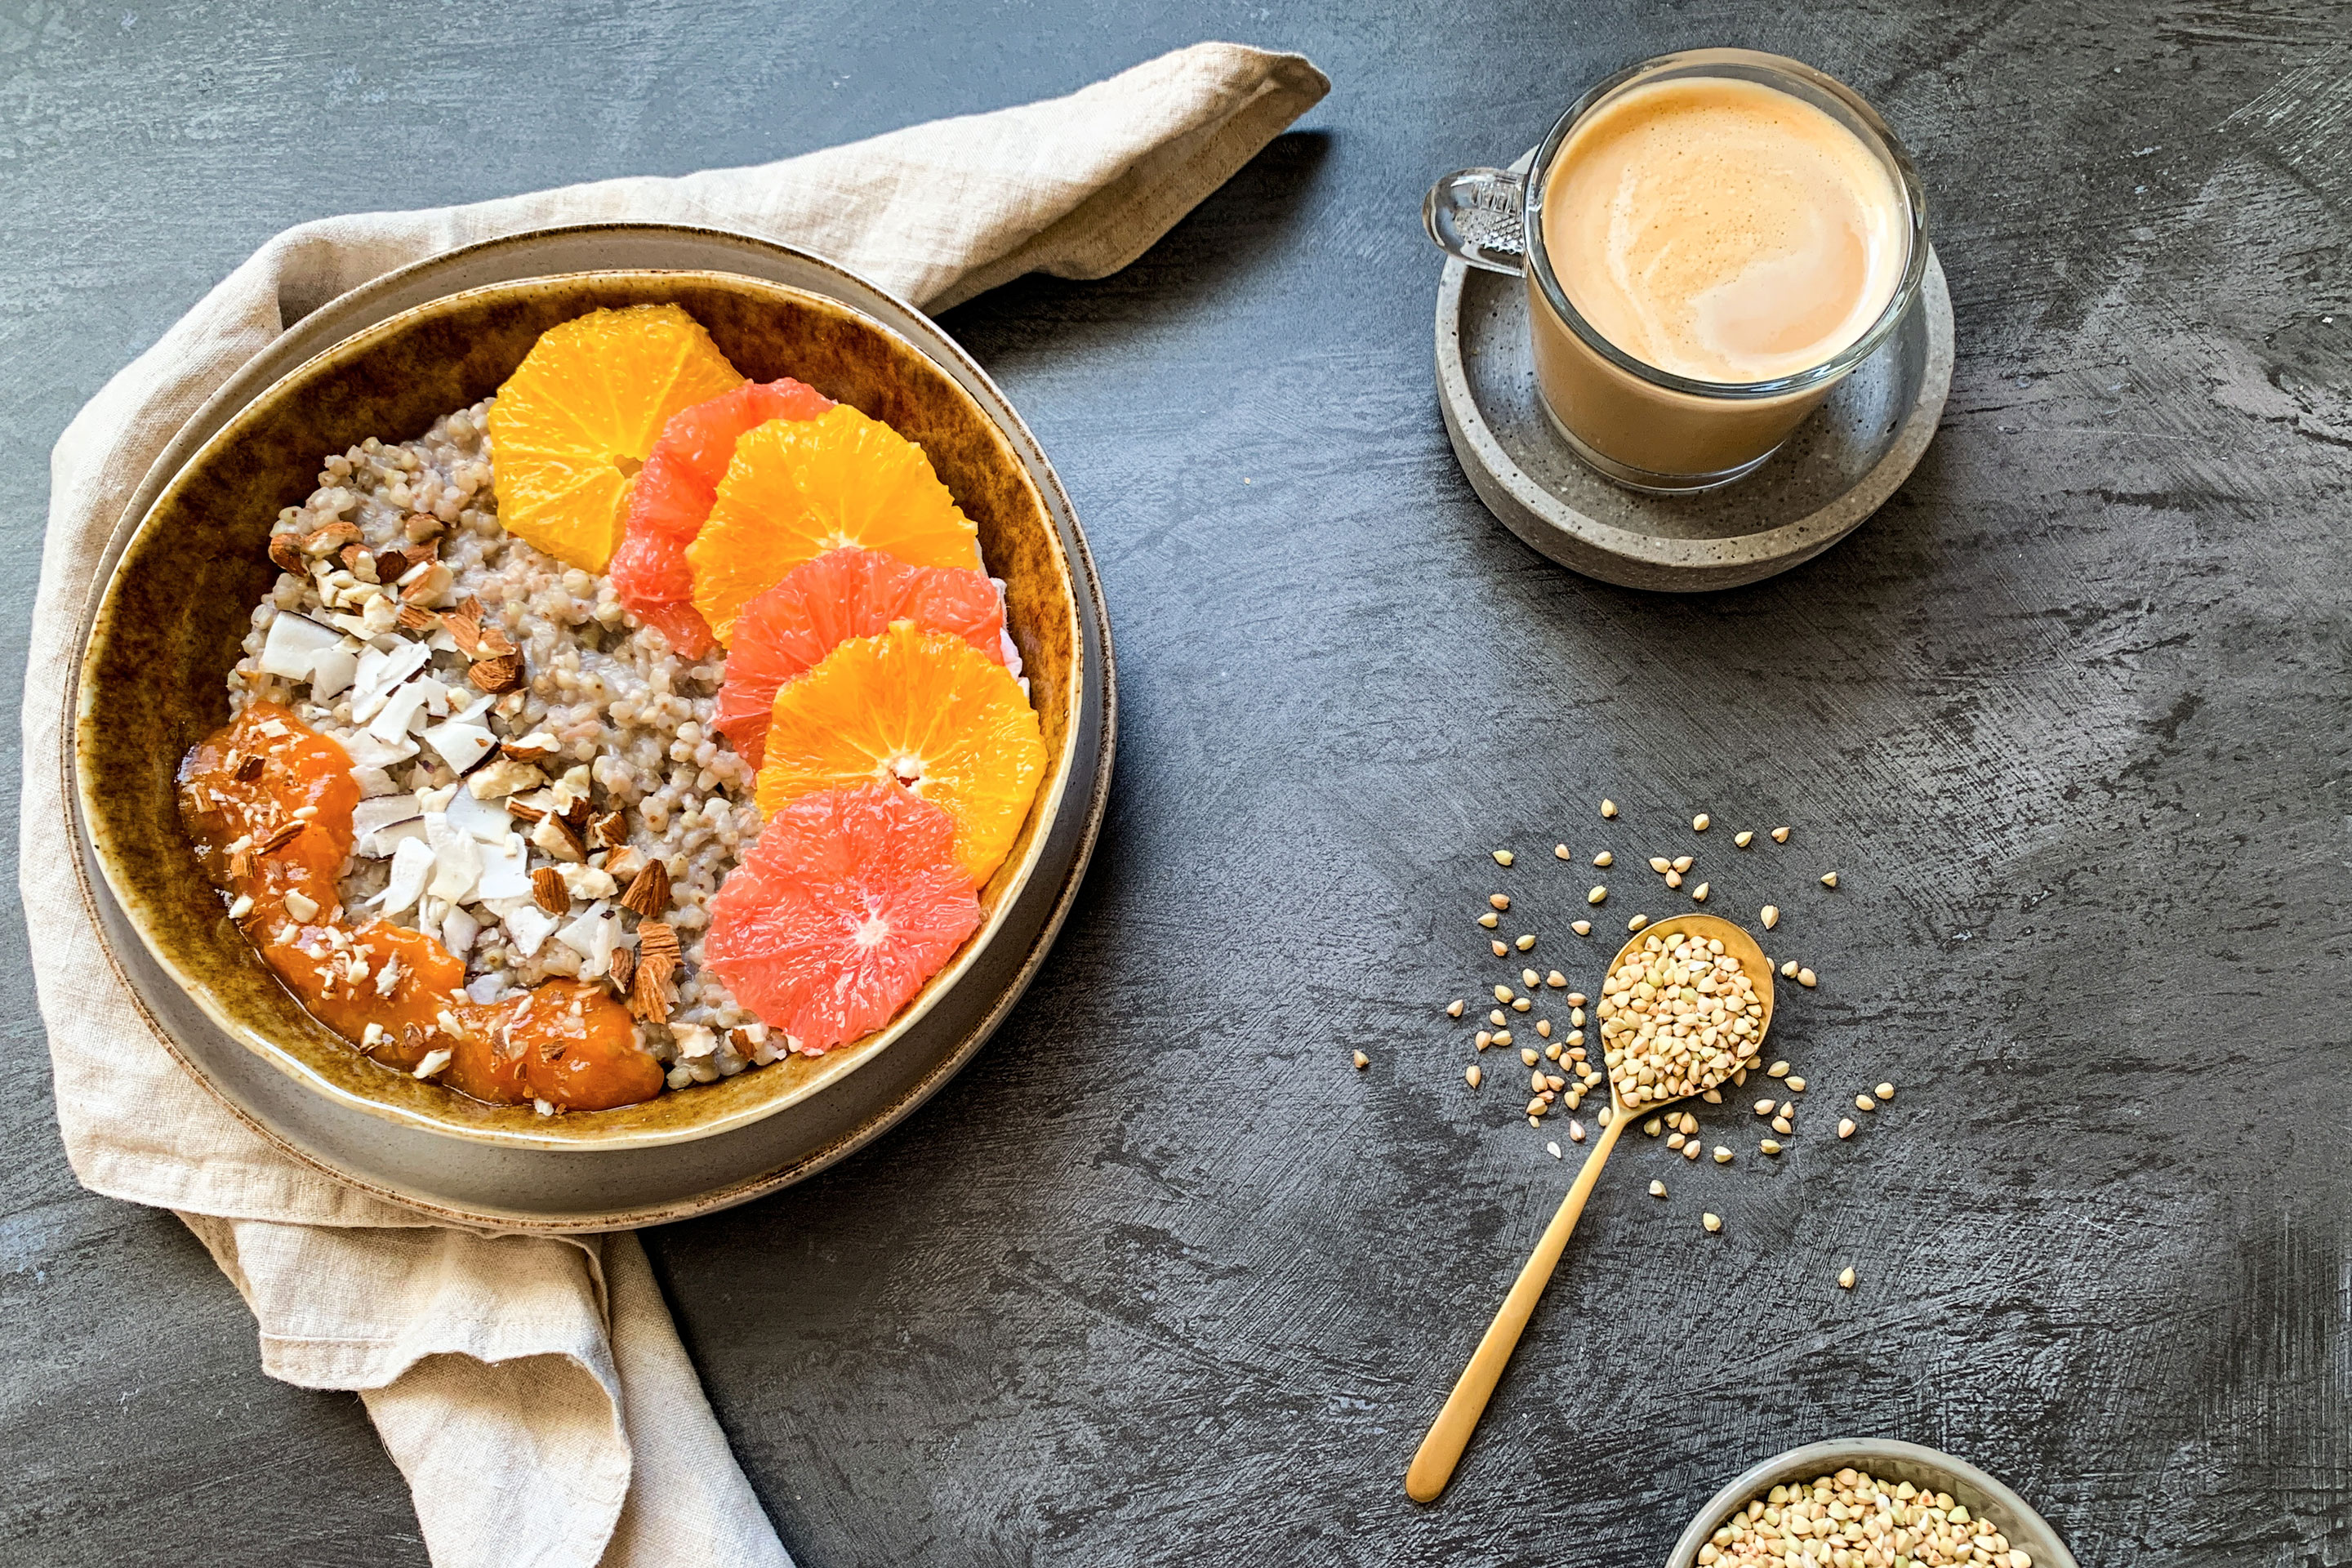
506	776
548	891
327	538
250	768
559	838
501	674
358	562
516	807
624	862
284	833
623	965
648	893
431	584
416	620
606	830
285	554
649	996
658	939
536	747
463	630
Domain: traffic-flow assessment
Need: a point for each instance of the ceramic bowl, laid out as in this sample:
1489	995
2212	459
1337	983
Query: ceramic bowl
169	626
1892	1460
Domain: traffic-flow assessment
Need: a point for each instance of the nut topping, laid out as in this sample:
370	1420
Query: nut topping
495	675
648	893
658	939
649	996
548	891
327	538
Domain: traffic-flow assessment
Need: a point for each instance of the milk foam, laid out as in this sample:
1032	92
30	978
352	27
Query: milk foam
1723	230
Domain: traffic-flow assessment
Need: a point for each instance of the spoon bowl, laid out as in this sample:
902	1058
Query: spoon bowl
1737	944
1441	1450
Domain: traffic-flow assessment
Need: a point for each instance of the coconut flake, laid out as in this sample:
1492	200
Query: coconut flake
460	745
402	711
380	672
457	859
529	928
293	642
331	671
388	842
366	752
487	823
374	816
506	871
459	930
591	936
412	863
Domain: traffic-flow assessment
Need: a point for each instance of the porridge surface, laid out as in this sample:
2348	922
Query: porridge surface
632	720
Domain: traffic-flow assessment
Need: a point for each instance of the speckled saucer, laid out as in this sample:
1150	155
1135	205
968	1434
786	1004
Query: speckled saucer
1838	467
385	361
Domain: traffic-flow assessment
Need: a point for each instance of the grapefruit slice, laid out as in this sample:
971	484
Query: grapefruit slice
579	416
787	630
925	708
850	900
797	489
673	495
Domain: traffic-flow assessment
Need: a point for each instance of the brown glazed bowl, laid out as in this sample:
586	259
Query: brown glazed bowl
178	606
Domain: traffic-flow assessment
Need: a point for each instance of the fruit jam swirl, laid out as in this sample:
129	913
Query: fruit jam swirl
266	802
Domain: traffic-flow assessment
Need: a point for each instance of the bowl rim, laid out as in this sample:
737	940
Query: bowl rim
1044	810
2040	1540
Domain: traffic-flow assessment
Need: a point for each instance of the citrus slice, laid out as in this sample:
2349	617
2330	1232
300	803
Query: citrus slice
850	900
673	495
797	489
787	631
578	417
926	709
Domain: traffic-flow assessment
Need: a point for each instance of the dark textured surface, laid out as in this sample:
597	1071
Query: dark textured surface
1160	1279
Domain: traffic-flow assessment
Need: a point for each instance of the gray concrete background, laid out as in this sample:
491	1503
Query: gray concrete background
1160	1279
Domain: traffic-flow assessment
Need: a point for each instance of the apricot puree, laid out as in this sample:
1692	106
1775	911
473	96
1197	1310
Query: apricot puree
268	803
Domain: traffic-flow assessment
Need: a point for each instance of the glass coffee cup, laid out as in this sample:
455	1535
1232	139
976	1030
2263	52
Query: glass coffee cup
1647	428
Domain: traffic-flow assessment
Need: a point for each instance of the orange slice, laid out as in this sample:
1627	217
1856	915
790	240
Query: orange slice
575	421
798	488
926	709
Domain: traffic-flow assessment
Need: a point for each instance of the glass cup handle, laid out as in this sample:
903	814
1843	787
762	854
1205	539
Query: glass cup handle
1474	214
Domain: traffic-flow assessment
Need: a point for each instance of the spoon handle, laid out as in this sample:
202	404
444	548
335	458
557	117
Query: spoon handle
1433	1466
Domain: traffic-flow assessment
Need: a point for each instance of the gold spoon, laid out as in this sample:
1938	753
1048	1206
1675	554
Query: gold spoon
1433	1466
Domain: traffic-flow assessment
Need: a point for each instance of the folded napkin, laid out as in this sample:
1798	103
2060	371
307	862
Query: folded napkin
533	1389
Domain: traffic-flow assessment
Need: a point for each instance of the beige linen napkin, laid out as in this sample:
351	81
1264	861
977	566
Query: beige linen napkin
532	1390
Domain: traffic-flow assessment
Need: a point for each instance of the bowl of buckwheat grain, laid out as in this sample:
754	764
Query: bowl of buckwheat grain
1868	1502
